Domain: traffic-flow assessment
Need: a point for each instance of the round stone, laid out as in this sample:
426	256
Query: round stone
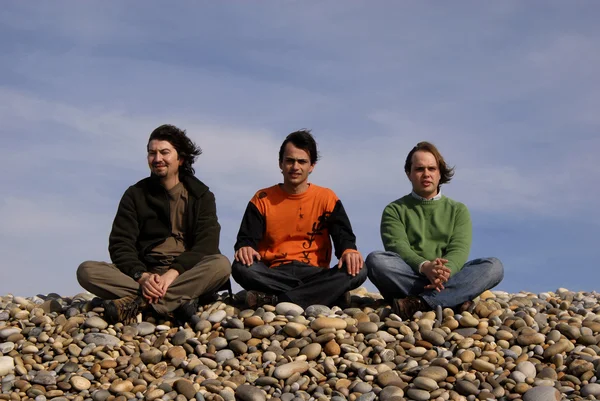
286	308
151	356
80	383
186	388
436	373
286	370
101	339
316	310
425	383
6	347
294	329
237	334
527	368
7	365
367	327
312	351
418	395
328	323
247	392
391	393
217	316
542	393
145	328
95	322
263	331
224	355
592	389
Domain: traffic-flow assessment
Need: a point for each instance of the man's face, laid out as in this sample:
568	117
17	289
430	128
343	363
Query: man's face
424	174
163	159
295	166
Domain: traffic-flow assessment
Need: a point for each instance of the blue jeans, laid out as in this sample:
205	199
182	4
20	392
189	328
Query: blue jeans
396	279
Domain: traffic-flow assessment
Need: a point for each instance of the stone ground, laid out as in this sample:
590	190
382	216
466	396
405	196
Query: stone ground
530	347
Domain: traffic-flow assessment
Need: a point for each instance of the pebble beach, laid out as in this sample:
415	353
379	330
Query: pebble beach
524	346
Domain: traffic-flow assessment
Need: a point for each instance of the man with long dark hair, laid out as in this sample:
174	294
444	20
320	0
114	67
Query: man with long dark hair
164	242
427	239
283	248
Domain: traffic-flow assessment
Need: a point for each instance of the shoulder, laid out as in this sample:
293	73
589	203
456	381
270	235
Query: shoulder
454	204
401	203
264	193
194	186
323	193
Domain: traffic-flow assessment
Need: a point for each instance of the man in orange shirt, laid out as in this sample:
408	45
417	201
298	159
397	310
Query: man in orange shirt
283	248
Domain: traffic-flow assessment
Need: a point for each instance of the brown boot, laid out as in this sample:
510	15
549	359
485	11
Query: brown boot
407	307
124	310
466	306
256	299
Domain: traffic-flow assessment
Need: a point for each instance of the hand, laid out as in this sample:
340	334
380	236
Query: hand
353	261
246	255
437	273
150	288
166	280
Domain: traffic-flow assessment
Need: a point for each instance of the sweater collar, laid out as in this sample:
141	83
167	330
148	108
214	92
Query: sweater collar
419	197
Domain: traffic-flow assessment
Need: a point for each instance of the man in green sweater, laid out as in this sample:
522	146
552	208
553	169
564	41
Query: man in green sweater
427	239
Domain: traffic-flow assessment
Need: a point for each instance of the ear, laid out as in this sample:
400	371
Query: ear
311	168
280	165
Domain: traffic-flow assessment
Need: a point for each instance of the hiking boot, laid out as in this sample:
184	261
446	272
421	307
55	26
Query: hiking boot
407	307
185	312
256	299
124	310
466	306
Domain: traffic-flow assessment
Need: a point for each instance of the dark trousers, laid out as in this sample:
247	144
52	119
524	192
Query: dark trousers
297	282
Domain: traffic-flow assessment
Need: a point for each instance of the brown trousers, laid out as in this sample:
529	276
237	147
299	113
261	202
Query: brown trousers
107	282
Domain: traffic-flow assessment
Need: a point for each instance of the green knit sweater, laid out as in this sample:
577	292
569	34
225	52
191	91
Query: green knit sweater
420	230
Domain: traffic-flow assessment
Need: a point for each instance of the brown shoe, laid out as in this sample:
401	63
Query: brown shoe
256	299
407	307
124	310
466	306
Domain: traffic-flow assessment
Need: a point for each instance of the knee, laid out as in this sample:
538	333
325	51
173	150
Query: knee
222	266
496	269
84	272
379	263
362	274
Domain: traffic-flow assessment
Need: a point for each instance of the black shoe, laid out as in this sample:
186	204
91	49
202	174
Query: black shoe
124	310
407	307
344	301
256	299
186	312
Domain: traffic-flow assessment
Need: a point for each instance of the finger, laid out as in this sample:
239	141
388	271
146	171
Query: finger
152	291
244	257
340	263
236	256
257	255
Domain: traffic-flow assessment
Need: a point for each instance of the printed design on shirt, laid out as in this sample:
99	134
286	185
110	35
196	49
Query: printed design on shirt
317	229
262	195
305	257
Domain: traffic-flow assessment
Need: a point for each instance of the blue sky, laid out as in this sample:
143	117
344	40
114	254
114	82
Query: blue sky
508	91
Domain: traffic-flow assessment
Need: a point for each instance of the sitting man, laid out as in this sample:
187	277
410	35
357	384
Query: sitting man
427	239
283	247
164	242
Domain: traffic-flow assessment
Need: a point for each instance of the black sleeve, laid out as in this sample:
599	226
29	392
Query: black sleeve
340	230
123	237
206	235
252	228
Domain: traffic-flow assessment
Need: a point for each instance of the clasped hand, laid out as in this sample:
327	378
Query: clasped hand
437	273
154	286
